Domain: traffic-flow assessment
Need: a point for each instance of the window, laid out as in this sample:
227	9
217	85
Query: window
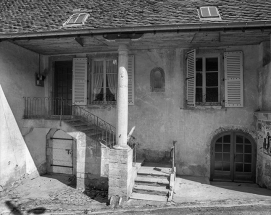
209	13
207	80
203	79
76	19
104	81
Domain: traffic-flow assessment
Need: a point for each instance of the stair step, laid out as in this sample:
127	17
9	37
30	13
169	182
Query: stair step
151	180
150	189
148	197
79	124
155	171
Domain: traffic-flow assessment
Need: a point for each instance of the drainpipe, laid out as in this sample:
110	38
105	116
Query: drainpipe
122	98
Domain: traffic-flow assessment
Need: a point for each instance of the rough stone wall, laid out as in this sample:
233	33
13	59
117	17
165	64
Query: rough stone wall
263	149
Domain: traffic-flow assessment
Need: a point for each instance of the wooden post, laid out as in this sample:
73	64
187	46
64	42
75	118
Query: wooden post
122	99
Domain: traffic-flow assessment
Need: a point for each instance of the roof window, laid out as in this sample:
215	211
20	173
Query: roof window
209	13
76	19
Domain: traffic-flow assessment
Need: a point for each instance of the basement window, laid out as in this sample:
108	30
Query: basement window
209	13
76	19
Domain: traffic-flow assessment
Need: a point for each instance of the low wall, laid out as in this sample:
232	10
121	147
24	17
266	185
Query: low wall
264	148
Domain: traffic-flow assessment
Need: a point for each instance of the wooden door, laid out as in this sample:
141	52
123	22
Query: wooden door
62	153
62	88
233	158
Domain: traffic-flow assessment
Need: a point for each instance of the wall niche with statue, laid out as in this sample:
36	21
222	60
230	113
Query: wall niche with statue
157	78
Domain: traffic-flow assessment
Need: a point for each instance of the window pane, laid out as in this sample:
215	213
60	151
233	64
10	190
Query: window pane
198	94
239	158
227	139
239	139
80	19
211	79
199	79
211	64
219	140
212	94
199	64
247	148
218	156
226	157
218	165
247	168
239	148
246	140
226	147
239	167
218	147
247	158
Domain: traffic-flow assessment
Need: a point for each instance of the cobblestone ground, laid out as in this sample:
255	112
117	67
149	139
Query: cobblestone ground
41	198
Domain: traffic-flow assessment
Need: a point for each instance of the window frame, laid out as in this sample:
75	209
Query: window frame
91	83
204	56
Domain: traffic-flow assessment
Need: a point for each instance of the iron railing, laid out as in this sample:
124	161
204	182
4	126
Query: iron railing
46	107
59	108
105	133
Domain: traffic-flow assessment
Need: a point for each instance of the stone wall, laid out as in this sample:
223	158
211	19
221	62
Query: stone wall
264	148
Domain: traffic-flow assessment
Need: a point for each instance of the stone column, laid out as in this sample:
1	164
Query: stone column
122	99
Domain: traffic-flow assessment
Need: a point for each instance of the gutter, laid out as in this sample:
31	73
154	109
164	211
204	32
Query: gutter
145	29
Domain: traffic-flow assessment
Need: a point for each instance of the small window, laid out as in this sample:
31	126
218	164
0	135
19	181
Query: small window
209	13
76	19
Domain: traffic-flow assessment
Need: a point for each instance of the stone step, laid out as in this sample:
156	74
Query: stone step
79	124
158	190
94	133
148	197
154	171
151	180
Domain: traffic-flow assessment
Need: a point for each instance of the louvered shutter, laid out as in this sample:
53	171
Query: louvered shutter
79	87
131	79
233	62
190	78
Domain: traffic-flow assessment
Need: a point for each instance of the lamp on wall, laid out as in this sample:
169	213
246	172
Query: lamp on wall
39	78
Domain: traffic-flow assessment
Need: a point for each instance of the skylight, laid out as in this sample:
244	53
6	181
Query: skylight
76	19
209	13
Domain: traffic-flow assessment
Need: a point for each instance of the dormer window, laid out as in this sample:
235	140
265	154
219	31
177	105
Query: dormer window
76	19
209	13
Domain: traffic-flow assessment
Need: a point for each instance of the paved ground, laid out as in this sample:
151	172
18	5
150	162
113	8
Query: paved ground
57	195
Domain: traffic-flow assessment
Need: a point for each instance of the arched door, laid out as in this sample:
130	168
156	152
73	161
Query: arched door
233	157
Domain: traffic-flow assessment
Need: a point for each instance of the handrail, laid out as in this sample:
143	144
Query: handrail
59	108
173	150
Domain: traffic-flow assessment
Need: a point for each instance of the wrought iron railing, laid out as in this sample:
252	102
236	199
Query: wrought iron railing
105	133
59	108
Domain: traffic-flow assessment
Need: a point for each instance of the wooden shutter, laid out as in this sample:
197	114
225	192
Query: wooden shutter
79	87
190	78
131	79
233	62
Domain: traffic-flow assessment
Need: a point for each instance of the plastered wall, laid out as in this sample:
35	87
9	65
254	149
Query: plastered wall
161	117
17	79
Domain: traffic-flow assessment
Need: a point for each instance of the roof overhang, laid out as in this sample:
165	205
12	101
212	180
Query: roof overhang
171	36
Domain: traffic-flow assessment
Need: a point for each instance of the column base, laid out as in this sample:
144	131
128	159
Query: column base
120	147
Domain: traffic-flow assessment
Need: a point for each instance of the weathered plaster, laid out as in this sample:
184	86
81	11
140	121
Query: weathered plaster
161	117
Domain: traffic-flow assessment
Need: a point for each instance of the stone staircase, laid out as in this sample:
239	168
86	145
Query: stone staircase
93	131
154	182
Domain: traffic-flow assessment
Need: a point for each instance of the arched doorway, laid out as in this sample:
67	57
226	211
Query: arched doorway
233	157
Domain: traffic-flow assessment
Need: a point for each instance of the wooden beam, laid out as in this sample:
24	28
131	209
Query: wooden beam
79	40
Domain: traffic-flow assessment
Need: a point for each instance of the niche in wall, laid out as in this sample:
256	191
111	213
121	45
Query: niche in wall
157	79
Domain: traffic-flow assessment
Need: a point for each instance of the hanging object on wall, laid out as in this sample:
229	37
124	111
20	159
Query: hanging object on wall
39	78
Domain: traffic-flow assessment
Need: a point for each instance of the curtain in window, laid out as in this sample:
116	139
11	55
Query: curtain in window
97	77
111	73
